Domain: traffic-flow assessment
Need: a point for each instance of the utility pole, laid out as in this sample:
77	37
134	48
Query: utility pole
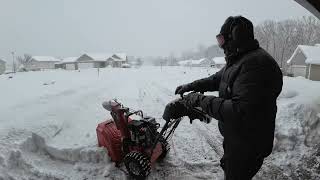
13	63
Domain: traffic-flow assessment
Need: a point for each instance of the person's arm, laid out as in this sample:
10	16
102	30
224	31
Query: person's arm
210	83
247	94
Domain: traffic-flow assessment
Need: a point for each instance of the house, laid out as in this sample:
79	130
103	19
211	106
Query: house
42	62
93	60
305	61
204	62
219	62
2	66
69	63
117	60
185	63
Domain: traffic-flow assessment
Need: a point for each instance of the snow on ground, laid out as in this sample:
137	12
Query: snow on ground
48	121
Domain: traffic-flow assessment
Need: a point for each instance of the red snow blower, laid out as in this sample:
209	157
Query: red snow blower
134	139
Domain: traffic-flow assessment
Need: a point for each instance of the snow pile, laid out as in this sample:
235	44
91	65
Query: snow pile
48	132
297	131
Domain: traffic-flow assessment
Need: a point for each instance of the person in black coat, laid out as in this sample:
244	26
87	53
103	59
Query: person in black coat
246	108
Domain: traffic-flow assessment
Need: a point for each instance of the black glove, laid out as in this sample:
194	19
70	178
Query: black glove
193	99
175	110
183	88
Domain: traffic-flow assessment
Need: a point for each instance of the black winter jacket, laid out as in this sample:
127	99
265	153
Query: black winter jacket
246	107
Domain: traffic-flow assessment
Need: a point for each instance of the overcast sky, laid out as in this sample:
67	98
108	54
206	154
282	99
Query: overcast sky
137	27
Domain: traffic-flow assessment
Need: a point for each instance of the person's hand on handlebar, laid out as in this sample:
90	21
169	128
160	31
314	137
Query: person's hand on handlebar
183	88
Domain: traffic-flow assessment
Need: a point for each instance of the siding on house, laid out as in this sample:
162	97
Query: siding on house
34	65
42	62
299	59
314	72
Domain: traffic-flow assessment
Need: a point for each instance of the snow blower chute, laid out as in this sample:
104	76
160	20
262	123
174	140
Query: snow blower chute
135	140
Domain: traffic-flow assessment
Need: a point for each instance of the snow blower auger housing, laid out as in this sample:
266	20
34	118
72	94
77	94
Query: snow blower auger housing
135	140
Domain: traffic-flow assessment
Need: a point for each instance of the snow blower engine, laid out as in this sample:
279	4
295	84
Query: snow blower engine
133	139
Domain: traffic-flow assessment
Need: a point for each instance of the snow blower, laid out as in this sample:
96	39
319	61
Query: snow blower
134	139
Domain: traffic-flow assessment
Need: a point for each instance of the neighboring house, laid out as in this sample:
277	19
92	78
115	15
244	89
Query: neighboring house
69	63
204	62
93	60
305	61
117	60
219	62
2	66
42	62
185	63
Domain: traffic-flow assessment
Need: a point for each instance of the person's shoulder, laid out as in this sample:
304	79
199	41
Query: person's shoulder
258	58
258	54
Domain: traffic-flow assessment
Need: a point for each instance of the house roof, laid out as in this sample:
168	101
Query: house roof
312	54
99	56
192	62
69	59
3	61
45	58
116	59
311	5
219	60
121	55
198	61
185	62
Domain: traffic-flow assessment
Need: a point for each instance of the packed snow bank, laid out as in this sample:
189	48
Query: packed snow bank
48	131
297	130
36	143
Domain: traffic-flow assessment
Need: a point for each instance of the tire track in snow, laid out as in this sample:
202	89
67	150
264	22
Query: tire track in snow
180	161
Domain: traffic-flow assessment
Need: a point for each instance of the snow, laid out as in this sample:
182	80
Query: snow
48	131
45	58
219	60
312	54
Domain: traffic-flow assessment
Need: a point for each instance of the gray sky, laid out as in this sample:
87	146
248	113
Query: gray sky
137	27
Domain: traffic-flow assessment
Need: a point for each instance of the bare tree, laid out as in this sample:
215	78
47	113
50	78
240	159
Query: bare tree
280	39
25	60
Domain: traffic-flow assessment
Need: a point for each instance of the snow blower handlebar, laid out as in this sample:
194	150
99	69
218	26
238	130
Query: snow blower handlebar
179	108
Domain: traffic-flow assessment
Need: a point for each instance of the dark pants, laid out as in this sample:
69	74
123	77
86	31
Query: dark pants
241	165
240	168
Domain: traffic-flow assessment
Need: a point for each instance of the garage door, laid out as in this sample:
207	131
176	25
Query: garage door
85	65
70	66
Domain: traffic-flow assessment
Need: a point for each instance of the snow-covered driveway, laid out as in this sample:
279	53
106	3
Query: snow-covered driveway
48	121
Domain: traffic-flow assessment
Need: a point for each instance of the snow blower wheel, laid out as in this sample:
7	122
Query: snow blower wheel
137	164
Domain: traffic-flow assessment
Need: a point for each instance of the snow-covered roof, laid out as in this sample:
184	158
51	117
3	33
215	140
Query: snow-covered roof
116	59
312	54
219	60
99	56
192	62
69	59
2	61
183	63
45	58
198	61
121	55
